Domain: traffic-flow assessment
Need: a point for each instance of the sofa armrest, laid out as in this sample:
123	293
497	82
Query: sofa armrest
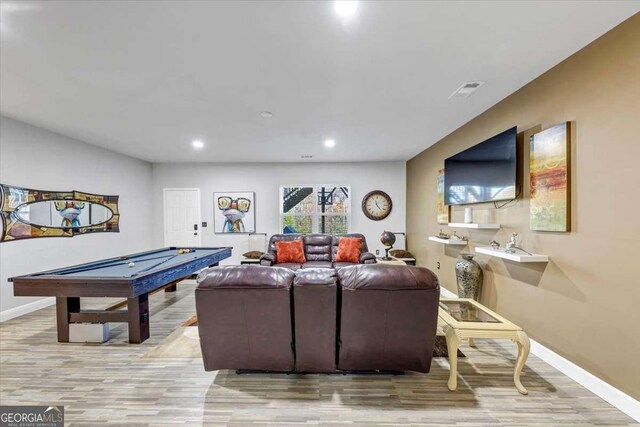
367	258
267	259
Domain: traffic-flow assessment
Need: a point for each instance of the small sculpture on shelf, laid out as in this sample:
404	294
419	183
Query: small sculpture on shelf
495	245
455	236
442	235
512	245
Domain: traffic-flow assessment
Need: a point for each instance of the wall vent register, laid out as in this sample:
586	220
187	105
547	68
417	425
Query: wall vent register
466	90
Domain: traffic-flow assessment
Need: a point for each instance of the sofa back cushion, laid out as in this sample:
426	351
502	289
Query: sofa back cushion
237	276
387	277
317	247
292	251
349	249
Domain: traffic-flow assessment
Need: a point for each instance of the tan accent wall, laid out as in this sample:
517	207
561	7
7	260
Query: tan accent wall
585	303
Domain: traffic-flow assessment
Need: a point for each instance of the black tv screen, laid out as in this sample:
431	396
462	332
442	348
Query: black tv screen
483	173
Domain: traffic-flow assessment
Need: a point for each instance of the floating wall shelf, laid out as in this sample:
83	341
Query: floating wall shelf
517	257
475	225
455	242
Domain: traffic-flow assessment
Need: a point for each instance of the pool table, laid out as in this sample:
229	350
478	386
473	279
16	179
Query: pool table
132	277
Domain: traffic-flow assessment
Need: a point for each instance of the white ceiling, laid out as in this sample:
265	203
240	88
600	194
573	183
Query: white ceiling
145	78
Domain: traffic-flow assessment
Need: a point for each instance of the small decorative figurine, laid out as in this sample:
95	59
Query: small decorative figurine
442	235
455	236
495	245
512	244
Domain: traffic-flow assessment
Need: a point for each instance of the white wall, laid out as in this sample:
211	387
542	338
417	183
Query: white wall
36	158
265	180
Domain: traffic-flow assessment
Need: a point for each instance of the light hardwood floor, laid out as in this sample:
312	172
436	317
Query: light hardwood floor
115	384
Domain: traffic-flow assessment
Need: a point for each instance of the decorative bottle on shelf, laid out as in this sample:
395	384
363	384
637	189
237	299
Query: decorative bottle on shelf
468	215
469	277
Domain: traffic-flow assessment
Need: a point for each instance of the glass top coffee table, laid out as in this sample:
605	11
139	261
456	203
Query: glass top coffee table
463	318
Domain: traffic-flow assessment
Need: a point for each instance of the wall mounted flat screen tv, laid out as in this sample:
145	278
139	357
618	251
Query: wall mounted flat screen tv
483	173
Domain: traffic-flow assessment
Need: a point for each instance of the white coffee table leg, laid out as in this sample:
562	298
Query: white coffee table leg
523	353
452	347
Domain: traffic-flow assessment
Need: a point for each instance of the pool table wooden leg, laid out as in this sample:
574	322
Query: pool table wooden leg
171	288
138	309
65	306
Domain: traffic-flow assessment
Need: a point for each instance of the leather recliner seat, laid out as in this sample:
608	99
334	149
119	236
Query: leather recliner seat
388	317
319	250
315	296
244	318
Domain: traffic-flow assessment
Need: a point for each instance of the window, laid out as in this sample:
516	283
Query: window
315	209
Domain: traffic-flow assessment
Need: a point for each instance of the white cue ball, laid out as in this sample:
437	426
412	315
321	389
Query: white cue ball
131	264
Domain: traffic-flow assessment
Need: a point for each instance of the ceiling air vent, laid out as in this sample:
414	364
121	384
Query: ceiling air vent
466	90
306	156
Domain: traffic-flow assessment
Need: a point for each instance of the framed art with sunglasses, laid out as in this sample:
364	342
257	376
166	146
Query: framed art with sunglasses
234	212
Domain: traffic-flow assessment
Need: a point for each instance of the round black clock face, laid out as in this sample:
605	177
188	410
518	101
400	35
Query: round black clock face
377	205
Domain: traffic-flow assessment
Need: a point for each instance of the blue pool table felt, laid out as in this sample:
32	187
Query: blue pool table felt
144	263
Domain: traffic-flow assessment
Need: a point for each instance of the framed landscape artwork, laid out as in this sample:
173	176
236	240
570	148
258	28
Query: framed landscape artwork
234	212
549	169
442	210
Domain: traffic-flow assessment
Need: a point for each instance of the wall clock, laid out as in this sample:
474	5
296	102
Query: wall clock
376	205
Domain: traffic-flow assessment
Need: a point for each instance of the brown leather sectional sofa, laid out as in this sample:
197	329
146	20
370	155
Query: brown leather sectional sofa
319	250
361	317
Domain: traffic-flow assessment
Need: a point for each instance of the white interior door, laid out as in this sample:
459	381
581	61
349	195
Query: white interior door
182	217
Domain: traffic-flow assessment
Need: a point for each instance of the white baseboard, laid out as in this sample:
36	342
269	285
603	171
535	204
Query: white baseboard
600	388
26	309
604	390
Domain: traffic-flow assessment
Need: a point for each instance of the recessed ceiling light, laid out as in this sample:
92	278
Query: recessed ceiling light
197	144
329	143
266	114
345	8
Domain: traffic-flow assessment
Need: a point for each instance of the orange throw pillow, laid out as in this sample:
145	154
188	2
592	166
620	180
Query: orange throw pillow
349	249
291	251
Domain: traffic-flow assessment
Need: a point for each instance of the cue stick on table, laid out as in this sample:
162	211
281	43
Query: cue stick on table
113	264
154	266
